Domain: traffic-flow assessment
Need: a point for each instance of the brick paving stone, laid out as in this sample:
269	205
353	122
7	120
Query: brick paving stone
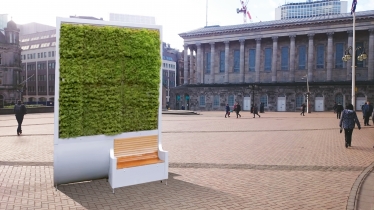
278	161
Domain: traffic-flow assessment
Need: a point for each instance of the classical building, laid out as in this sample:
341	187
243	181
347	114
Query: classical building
38	64
10	64
310	8
277	56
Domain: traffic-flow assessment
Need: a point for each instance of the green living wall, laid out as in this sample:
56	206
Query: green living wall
109	80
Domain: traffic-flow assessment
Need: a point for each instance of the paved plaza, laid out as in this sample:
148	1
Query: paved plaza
278	161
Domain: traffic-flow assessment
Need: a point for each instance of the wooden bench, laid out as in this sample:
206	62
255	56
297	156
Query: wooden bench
136	151
137	160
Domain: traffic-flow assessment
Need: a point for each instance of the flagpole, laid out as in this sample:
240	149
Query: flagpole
354	62
206	14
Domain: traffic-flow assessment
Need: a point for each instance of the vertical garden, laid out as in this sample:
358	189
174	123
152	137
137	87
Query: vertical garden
109	80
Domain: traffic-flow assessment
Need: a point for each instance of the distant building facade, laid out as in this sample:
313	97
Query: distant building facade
277	56
31	28
169	68
310	8
10	64
38	62
147	20
86	17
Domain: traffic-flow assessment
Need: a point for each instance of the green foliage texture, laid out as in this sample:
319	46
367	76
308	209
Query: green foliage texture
109	80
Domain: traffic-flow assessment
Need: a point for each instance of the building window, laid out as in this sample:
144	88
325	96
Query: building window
51	77
339	53
202	100
236	61
339	99
222	61
38	66
53	65
216	101
320	56
51	88
252	59
359	63
208	64
264	100
53	53
284	58
41	89
49	54
231	100
302	57
42	77
299	100
31	88
38	55
268	56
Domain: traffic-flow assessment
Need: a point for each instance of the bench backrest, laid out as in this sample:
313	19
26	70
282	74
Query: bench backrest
135	146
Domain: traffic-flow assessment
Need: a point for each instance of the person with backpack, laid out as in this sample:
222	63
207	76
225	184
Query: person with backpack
347	122
20	111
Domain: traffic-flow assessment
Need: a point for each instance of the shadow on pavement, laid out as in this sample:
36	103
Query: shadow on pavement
177	194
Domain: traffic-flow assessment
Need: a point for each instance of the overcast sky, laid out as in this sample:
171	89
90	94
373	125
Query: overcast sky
176	16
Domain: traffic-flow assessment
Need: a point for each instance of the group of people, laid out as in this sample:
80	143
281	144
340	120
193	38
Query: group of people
238	108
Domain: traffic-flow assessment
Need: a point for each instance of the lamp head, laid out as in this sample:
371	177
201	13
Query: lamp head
360	58
364	56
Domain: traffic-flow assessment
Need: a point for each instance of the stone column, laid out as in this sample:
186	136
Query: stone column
185	63
192	75
227	61
198	63
310	57
258	57
329	55
212	70
349	62
371	55
241	79
274	60
292	58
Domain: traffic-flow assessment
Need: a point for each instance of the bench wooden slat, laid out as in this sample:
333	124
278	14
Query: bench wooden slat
138	163
136	151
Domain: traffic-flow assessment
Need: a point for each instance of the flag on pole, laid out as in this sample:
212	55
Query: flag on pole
353	8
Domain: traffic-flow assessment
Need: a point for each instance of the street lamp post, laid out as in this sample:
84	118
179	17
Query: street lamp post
307	94
361	57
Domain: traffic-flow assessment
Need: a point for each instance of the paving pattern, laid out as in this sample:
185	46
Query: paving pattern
278	161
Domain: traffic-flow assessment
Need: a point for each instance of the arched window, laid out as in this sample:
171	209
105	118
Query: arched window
202	100
264	100
299	100
231	100
339	98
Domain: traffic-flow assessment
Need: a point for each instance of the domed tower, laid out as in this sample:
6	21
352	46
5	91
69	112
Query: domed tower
12	33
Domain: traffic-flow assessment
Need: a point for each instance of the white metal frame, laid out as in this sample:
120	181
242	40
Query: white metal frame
86	158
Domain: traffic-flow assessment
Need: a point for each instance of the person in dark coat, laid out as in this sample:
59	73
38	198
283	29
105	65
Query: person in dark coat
339	110
227	110
334	107
303	106
367	109
238	108
347	122
20	111
255	111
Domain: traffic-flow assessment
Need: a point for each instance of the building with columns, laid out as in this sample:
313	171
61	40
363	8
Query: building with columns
277	56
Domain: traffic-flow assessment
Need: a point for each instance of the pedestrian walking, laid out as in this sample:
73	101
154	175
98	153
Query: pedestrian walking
255	111
339	110
227	110
347	122
303	106
367	110
334	107
238	108
363	112
20	111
